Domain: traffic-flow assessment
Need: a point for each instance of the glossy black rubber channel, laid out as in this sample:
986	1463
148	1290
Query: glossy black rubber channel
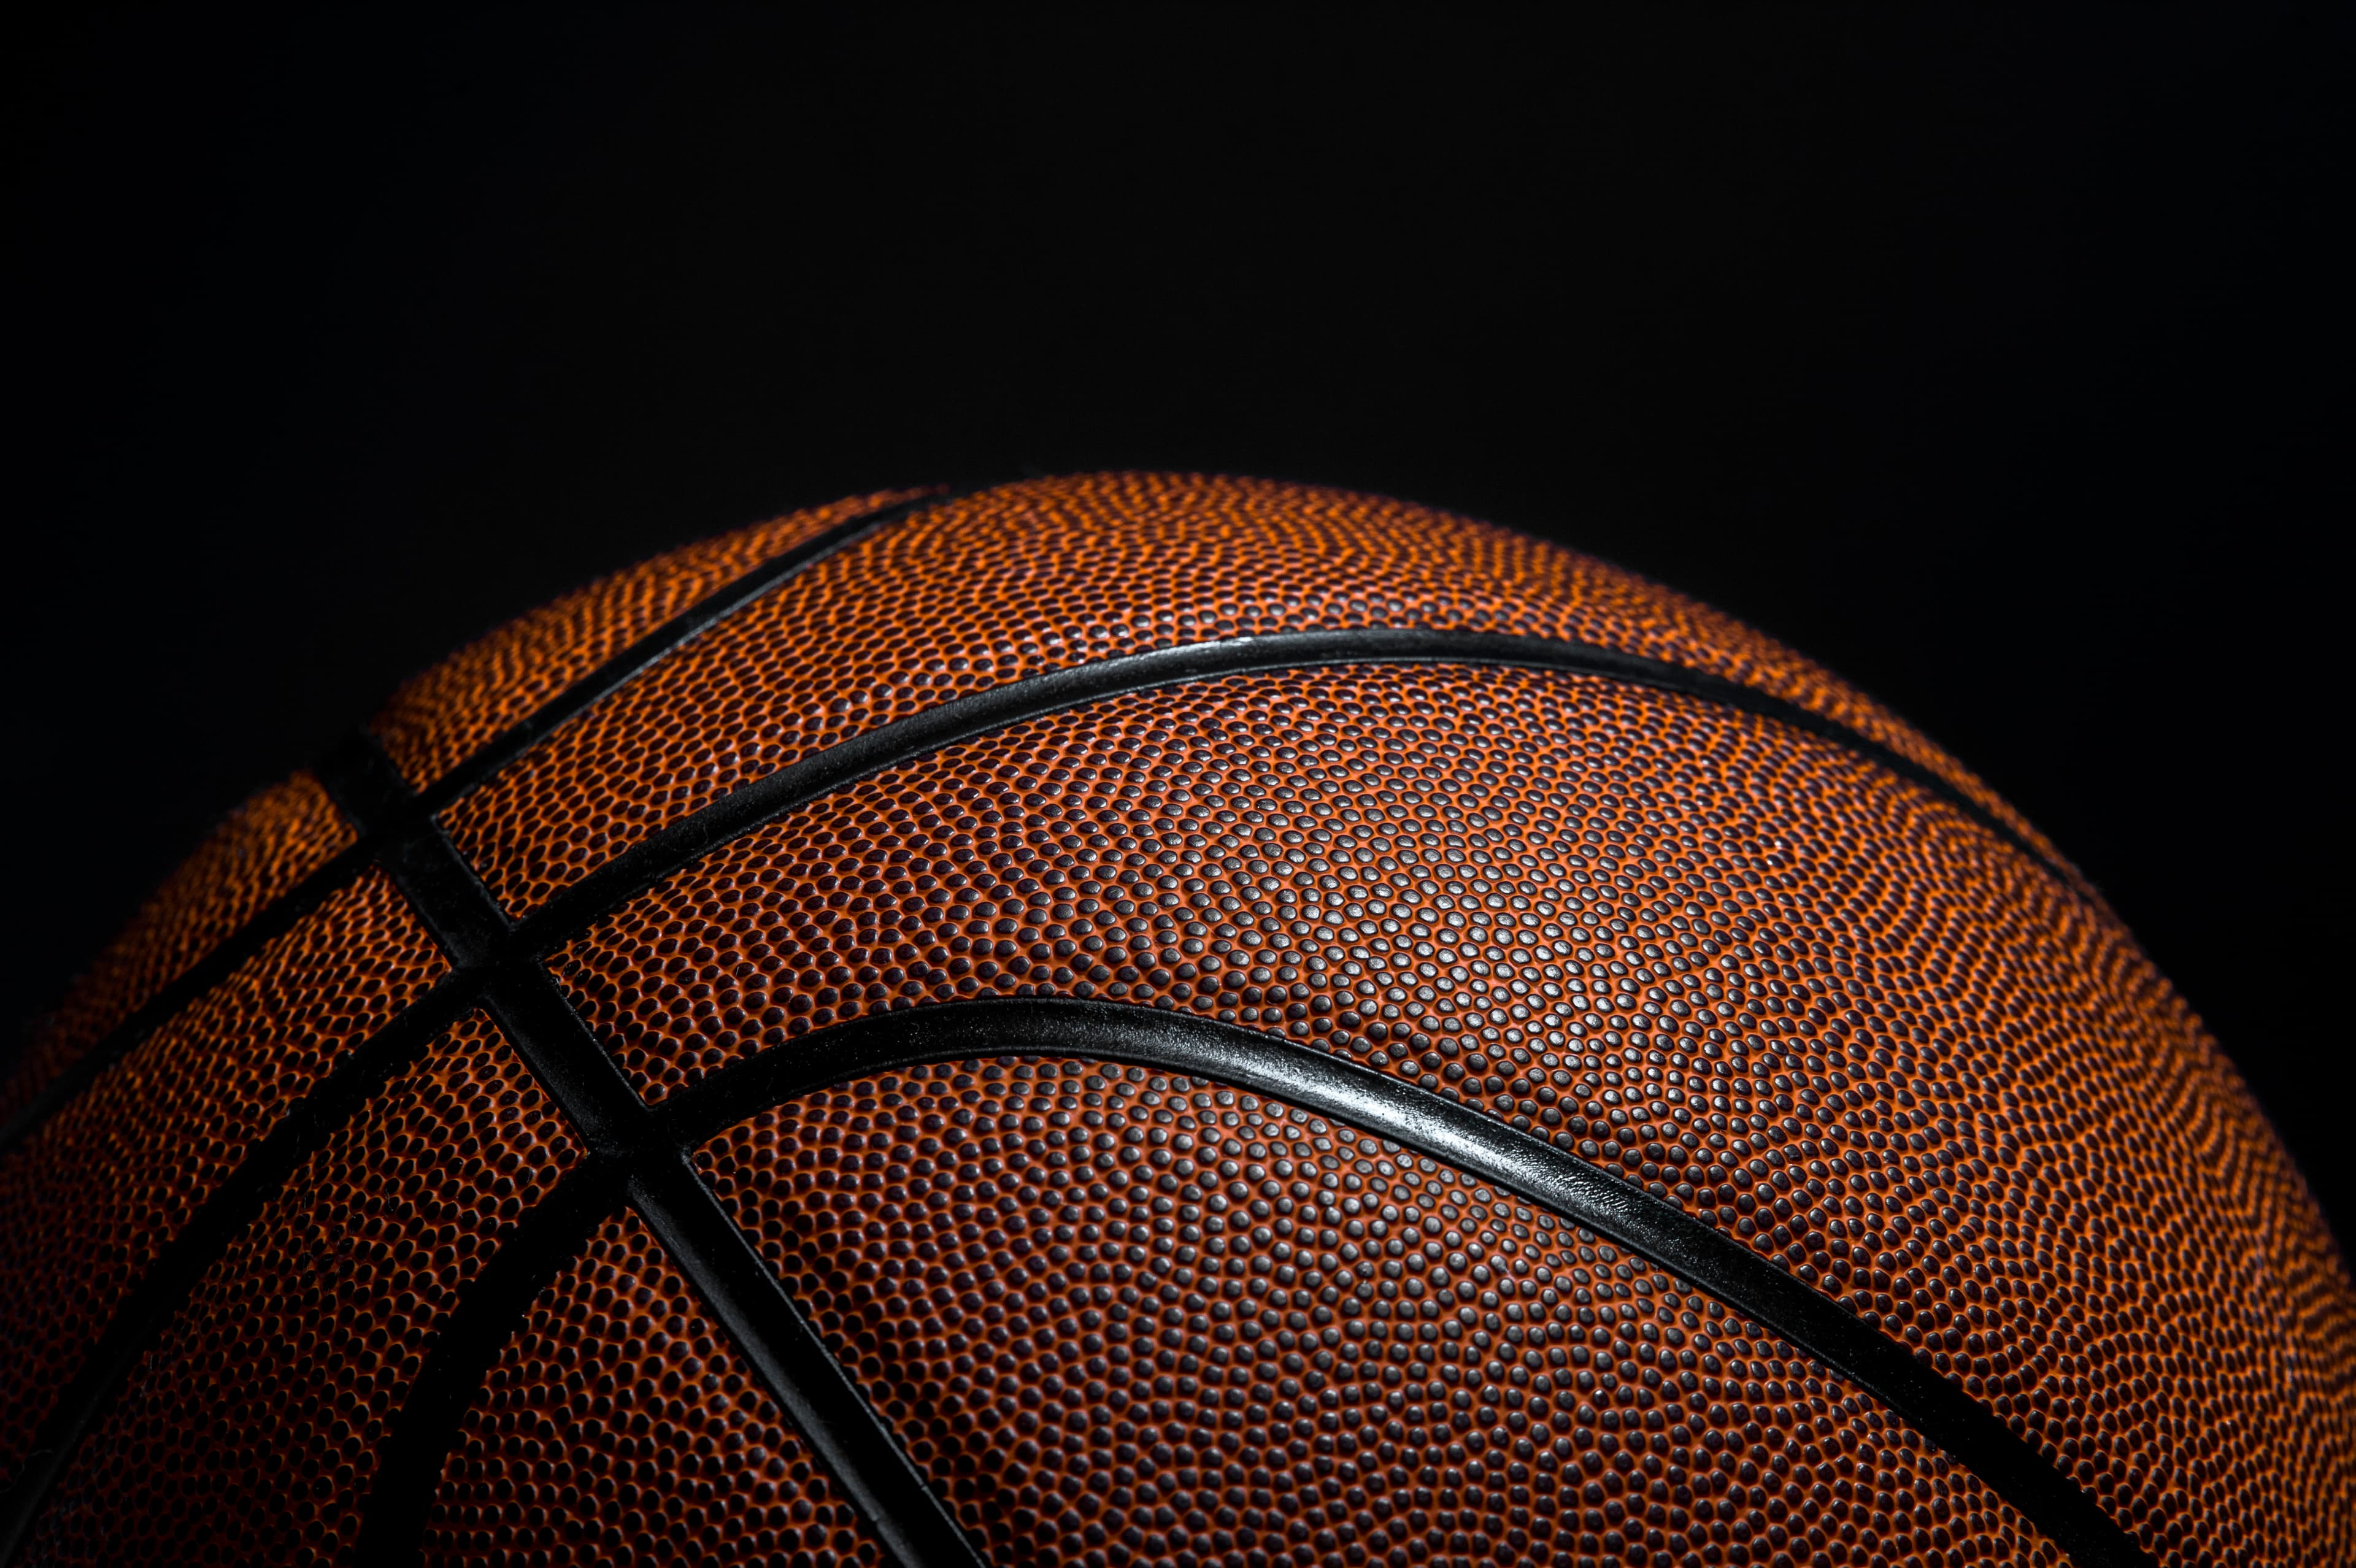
1465	1138
753	1308
302	1132
274	919
624	667
967	718
935	729
488	1312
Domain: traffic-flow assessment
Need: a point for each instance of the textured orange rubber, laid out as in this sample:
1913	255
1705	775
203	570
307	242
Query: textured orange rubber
1582	1085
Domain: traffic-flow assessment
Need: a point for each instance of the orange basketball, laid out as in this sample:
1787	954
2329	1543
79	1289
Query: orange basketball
1148	1019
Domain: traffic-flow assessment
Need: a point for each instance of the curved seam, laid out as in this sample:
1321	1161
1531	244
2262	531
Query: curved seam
488	1312
738	592
365	784
574	1069
706	613
176	1271
388	814
1443	1129
541	1025
754	805
222	960
226	957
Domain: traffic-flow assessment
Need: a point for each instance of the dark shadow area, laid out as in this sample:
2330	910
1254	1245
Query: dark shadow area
1995	360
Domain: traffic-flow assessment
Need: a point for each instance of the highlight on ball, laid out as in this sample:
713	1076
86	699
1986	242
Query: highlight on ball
1148	1019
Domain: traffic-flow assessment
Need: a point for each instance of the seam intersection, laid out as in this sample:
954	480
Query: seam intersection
737	1287
275	918
635	1154
1466	1138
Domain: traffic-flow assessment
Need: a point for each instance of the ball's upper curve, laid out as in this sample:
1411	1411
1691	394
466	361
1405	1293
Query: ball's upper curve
1743	966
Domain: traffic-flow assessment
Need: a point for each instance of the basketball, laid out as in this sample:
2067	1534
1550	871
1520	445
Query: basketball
1148	1019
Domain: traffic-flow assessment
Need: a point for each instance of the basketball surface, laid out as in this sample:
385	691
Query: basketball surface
1148	1019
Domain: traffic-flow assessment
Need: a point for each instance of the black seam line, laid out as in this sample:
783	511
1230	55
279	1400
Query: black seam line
744	1297
1468	1139
277	917
222	960
936	729
578	1073
366	788
486	1315
302	1132
844	1432
632	661
890	746
912	1521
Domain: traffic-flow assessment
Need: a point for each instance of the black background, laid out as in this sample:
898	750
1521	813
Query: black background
1999	360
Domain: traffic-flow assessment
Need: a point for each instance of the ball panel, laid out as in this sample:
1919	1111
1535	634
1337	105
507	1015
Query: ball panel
117	1172
1113	1314
1838	1020
261	850
248	1431
1741	965
436	719
1029	578
620	1426
1306	810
